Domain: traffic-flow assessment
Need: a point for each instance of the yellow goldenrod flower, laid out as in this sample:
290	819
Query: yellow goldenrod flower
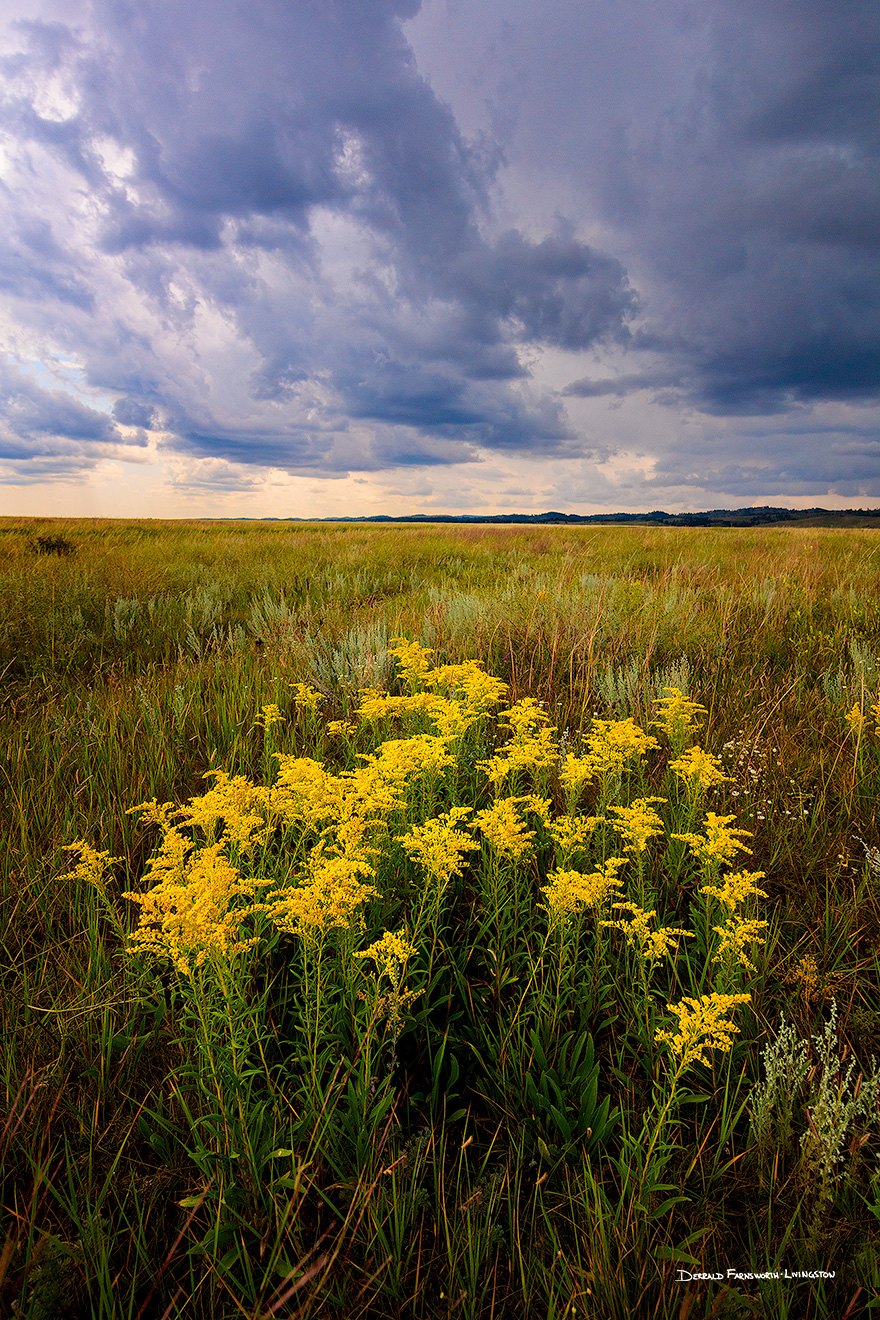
377	706
570	833
307	698
438	846
523	718
304	793
615	746
638	823
676	717
328	901
450	719
154	813
699	770
652	945
502	828
390	954
269	716
342	728
468	683
400	761
570	891
702	1026
91	866
736	887
735	934
245	809
412	661
188	914
719	844
576	773
855	719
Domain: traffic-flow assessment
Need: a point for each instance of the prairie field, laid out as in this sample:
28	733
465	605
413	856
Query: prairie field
439	921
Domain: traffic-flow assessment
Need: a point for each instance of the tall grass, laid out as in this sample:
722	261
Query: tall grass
138	1144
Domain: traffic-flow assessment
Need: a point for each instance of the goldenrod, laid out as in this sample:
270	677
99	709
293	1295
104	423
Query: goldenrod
699	770
268	716
735	934
652	945
718	844
576	773
702	1026
245	808
615	746
390	955
736	887
412	661
469	683
307	699
329	900
855	719
676	717
91	865
570	834
188	913
638	823
438	846
570	891
502	828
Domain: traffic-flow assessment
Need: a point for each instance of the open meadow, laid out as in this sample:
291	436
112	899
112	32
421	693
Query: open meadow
420	921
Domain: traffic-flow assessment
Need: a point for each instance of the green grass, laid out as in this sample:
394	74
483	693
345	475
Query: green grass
139	661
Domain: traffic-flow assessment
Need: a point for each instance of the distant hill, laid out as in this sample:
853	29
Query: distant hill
759	516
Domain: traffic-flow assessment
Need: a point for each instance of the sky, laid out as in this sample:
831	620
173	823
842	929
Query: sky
317	258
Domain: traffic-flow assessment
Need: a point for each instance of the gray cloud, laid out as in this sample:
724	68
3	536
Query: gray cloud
278	237
219	149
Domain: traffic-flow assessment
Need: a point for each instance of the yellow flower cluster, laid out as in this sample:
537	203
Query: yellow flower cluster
571	834
638	823
531	748
719	844
702	1026
570	891
676	716
412	661
328	900
652	945
576	773
438	845
699	770
855	719
91	865
615	746
503	828
189	911
736	887
306	698
467	684
268	716
390	955
735	934
244	808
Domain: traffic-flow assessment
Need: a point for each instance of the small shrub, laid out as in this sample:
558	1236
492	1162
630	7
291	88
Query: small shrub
53	545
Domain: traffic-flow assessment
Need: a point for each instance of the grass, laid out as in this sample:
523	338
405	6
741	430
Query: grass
449	1172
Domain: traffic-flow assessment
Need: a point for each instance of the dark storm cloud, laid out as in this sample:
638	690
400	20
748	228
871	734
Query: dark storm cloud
761	216
206	133
266	237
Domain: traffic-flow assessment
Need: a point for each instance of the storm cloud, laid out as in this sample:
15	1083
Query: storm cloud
365	235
